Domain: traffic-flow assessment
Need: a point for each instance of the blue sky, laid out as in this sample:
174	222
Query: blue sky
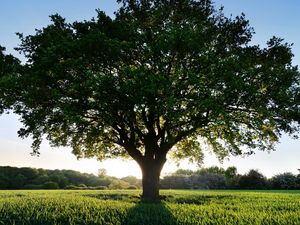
268	17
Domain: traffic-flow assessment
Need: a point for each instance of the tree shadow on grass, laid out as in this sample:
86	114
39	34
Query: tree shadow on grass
114	196
143	213
201	199
149	214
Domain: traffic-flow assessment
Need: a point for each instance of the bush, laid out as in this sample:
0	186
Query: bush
100	188
82	186
71	187
50	185
118	184
132	187
33	186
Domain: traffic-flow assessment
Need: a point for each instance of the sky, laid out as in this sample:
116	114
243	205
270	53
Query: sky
268	17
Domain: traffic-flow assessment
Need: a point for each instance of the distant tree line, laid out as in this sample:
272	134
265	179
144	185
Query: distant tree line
205	178
219	178
31	178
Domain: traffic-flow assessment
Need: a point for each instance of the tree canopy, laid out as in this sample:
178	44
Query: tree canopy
160	75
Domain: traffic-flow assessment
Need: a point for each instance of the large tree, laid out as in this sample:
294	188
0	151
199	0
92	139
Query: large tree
161	76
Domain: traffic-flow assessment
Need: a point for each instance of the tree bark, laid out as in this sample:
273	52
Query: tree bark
151	172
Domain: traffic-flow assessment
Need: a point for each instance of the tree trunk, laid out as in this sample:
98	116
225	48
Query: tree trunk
151	172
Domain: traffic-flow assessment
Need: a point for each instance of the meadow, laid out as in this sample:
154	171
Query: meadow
122	207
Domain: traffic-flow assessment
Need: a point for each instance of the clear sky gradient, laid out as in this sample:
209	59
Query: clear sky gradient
268	17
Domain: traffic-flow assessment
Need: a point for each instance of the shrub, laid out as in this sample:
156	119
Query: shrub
33	186
71	187
119	184
82	186
100	188
132	187
50	185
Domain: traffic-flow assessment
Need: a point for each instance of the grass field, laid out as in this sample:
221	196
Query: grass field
123	208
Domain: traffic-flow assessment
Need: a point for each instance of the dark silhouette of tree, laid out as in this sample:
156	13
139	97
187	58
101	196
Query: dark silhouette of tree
253	180
284	181
157	77
50	185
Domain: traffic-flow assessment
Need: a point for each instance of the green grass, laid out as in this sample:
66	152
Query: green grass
123	208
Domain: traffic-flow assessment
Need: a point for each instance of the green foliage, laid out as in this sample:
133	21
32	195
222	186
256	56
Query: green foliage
183	172
9	65
161	74
33	186
232	177
30	178
119	184
208	181
218	178
205	178
132	180
178	208
132	187
50	185
284	181
82	185
176	182
212	169
253	180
